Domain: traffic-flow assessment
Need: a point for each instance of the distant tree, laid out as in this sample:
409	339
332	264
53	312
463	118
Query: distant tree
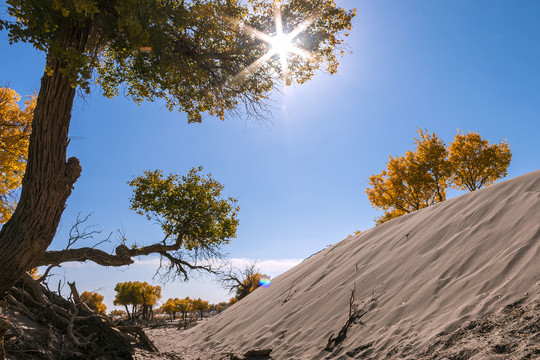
184	306
475	163
15	126
94	301
140	295
197	56
118	313
242	282
150	295
170	308
200	305
232	301
218	307
420	178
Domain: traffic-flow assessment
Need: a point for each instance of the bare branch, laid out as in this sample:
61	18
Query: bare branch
46	274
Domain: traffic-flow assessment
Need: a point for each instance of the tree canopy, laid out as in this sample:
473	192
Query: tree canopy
243	282
200	57
170	50
15	125
412	181
420	178
172	306
140	295
200	306
94	301
477	163
195	217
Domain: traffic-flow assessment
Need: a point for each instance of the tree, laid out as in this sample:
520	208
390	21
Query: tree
194	215
420	178
94	301
15	124
242	282
170	308
232	301
220	307
118	314
150	295
476	163
200	305
413	181
151	50
183	306
141	297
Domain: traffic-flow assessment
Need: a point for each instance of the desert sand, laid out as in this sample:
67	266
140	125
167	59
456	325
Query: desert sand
457	280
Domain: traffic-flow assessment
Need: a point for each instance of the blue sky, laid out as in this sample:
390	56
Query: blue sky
300	178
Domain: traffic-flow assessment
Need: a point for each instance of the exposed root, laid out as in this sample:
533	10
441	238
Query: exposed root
44	325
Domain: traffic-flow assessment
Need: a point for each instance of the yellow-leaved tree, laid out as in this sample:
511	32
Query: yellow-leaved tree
140	295
477	163
420	178
94	301
172	306
169	308
15	127
413	181
200	305
183	306
232	301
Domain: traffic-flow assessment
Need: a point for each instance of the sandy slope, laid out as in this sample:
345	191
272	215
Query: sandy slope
420	277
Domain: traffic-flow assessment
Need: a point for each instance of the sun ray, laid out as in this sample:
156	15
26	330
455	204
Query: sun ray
251	69
281	45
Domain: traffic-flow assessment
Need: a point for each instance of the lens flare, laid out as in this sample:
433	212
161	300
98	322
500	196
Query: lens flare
264	281
281	44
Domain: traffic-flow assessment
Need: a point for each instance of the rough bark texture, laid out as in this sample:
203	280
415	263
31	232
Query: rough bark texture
49	178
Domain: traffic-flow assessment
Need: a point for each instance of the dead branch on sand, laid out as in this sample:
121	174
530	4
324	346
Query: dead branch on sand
354	318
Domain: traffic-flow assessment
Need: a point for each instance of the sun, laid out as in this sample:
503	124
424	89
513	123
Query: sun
281	44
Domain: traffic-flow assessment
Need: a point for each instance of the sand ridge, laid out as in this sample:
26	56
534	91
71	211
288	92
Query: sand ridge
419	276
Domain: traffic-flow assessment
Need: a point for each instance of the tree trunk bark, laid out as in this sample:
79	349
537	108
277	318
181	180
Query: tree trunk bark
49	178
127	311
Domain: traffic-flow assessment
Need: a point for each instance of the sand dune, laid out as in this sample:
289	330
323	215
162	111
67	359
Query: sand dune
419	277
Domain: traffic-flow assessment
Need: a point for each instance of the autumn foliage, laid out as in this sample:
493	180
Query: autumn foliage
200	306
94	301
232	301
15	127
140	295
176	305
420	178
242	281
475	163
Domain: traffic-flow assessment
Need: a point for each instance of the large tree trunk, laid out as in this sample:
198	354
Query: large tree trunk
49	178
